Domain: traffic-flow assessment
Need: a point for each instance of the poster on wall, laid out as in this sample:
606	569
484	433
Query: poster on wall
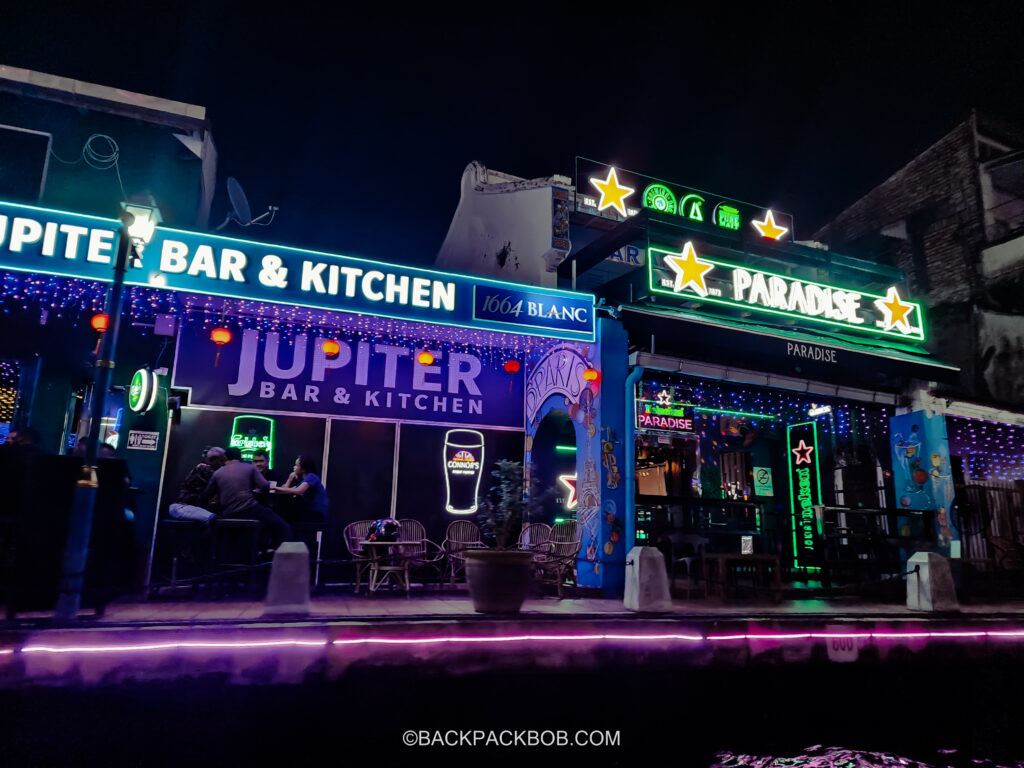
922	479
269	371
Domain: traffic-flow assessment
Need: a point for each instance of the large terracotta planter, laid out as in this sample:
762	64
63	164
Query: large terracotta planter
498	579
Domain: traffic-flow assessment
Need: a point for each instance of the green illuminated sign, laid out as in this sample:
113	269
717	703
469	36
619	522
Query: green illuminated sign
692	207
689	276
804	492
660	198
662	413
251	433
142	391
727	217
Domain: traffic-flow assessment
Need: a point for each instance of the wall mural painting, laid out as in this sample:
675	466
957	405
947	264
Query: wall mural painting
556	382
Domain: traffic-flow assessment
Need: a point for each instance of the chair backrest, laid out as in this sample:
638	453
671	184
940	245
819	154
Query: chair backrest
412	530
461	535
355	534
534	535
565	538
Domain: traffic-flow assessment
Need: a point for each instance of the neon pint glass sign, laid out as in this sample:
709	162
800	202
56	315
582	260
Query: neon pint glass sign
252	433
463	466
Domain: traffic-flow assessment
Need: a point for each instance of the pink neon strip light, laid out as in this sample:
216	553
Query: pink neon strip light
498	639
184	644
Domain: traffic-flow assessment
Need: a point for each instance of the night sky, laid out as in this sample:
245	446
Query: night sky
359	127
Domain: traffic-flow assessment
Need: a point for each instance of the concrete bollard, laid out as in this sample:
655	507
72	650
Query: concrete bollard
931	588
646	581
288	590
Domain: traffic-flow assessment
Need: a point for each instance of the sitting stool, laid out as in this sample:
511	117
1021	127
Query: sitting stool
184	543
236	544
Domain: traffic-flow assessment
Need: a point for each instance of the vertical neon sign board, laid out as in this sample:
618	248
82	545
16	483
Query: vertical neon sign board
249	433
463	466
804	492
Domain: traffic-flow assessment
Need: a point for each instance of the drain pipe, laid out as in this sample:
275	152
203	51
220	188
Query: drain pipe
628	471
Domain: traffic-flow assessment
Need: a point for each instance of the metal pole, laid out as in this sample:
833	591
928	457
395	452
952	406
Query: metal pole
76	548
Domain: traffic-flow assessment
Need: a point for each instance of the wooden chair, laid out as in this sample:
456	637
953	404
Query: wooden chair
461	535
688	552
424	553
557	561
355	534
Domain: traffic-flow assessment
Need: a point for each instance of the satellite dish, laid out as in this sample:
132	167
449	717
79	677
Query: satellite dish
243	213
240	210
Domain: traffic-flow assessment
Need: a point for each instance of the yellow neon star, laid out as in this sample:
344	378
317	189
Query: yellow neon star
896	312
768	228
613	194
689	270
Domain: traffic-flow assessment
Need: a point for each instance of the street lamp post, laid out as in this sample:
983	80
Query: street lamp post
137	227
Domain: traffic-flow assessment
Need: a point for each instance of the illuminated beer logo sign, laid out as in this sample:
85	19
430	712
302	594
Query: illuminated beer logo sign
664	414
252	433
804	492
688	275
463	462
603	189
142	391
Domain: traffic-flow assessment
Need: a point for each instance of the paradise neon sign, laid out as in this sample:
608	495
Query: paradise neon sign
664	414
688	275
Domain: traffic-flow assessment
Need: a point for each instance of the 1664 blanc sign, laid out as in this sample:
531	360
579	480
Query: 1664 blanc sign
73	245
374	380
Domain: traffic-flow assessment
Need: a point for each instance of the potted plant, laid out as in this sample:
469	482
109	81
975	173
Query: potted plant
500	577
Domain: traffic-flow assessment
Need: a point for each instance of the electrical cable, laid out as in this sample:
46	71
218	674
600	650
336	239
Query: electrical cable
101	158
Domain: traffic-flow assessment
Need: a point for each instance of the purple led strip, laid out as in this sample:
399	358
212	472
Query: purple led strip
499	639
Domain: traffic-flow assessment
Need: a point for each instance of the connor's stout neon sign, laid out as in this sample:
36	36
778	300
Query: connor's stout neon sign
688	275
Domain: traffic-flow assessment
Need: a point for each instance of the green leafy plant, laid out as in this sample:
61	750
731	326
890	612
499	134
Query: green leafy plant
509	502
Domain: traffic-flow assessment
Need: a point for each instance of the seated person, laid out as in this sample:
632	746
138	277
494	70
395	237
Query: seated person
304	483
187	506
261	460
236	485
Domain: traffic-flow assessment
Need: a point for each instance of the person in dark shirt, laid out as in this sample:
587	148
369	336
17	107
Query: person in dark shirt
187	506
236	485
261	460
306	484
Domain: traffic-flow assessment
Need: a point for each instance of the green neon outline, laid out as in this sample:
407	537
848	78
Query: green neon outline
792	496
687	216
730	210
665	192
738	413
918	335
234	431
566	448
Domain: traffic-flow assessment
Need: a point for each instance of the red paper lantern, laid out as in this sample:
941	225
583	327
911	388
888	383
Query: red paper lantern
220	336
100	322
511	366
331	348
424	358
591	374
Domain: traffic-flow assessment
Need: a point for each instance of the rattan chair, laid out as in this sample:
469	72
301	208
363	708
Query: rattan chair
423	554
462	535
355	534
556	563
535	537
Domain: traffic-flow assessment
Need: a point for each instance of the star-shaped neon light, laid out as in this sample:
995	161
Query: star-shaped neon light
896	312
663	398
803	453
613	194
569	481
689	270
768	228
